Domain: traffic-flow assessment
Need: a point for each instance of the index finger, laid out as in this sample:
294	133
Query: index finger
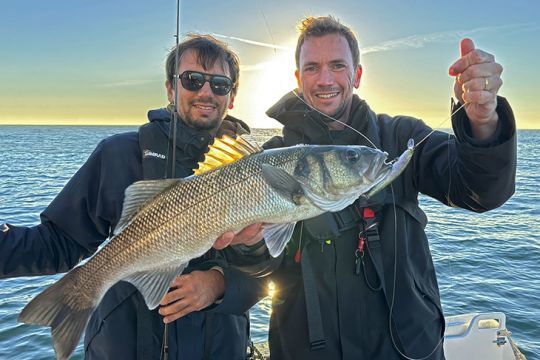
172	296
474	57
224	240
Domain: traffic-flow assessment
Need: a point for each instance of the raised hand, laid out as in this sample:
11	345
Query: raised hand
478	79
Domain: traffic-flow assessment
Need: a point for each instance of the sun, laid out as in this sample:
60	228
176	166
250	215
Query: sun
262	85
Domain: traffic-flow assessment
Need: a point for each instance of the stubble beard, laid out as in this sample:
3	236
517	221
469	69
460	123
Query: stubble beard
204	124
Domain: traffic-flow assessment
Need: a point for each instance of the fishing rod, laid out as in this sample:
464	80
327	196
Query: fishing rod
173	127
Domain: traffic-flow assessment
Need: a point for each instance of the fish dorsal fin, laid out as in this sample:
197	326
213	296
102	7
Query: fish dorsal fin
137	194
226	150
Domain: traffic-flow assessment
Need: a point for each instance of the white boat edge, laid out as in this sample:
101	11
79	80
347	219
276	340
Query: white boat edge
479	336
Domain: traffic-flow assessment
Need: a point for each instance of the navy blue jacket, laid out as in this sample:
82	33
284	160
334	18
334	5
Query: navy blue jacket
355	306
85	213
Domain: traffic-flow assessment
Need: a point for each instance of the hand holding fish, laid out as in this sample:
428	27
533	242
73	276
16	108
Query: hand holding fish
192	292
478	79
250	235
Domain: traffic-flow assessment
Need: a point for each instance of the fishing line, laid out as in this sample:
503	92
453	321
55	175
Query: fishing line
295	92
392	302
268	29
165	348
440	124
391	310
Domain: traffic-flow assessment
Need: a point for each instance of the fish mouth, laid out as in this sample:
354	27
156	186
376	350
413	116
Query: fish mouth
367	182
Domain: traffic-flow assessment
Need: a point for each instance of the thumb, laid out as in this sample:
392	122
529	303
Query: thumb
466	46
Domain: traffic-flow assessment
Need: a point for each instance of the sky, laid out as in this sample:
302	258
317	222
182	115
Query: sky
102	62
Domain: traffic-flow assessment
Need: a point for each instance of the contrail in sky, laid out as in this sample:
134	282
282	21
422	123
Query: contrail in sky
408	42
252	42
421	40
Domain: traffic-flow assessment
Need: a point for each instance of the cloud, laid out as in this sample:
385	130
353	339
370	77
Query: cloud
421	40
408	42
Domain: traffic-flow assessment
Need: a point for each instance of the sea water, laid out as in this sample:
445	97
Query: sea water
485	262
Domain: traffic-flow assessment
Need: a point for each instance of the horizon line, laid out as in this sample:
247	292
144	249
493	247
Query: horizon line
139	124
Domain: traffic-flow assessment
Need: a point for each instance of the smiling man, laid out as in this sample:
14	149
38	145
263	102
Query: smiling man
202	107
88	208
328	77
360	283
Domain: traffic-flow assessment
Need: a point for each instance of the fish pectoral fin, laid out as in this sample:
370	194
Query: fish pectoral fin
276	237
154	284
283	182
138	194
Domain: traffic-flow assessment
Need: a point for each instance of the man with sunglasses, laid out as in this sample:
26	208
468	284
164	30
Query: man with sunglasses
87	210
360	283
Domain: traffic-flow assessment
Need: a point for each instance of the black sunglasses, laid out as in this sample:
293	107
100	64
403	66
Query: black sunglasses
194	81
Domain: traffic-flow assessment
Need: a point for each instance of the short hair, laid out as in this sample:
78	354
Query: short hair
208	50
324	25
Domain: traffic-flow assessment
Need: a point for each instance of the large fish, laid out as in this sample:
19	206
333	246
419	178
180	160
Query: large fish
165	223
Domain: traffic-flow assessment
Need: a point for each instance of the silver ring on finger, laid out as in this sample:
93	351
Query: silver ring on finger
486	83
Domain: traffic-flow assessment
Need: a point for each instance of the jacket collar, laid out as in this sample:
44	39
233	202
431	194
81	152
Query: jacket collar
305	125
191	144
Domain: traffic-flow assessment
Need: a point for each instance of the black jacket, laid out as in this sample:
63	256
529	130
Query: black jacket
456	170
84	214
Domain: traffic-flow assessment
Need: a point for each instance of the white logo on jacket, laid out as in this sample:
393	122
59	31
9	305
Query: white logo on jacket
150	153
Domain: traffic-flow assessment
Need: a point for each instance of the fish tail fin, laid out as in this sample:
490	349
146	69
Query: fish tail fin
64	309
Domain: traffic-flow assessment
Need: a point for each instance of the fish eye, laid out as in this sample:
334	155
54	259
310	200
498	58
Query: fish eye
351	156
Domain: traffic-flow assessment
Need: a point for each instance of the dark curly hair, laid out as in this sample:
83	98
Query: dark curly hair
209	50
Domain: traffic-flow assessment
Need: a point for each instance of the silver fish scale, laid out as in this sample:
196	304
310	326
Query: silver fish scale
183	222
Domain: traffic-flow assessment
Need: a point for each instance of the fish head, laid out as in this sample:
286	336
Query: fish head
334	176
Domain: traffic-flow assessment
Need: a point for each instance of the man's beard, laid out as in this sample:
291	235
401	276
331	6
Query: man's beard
203	124
339	112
